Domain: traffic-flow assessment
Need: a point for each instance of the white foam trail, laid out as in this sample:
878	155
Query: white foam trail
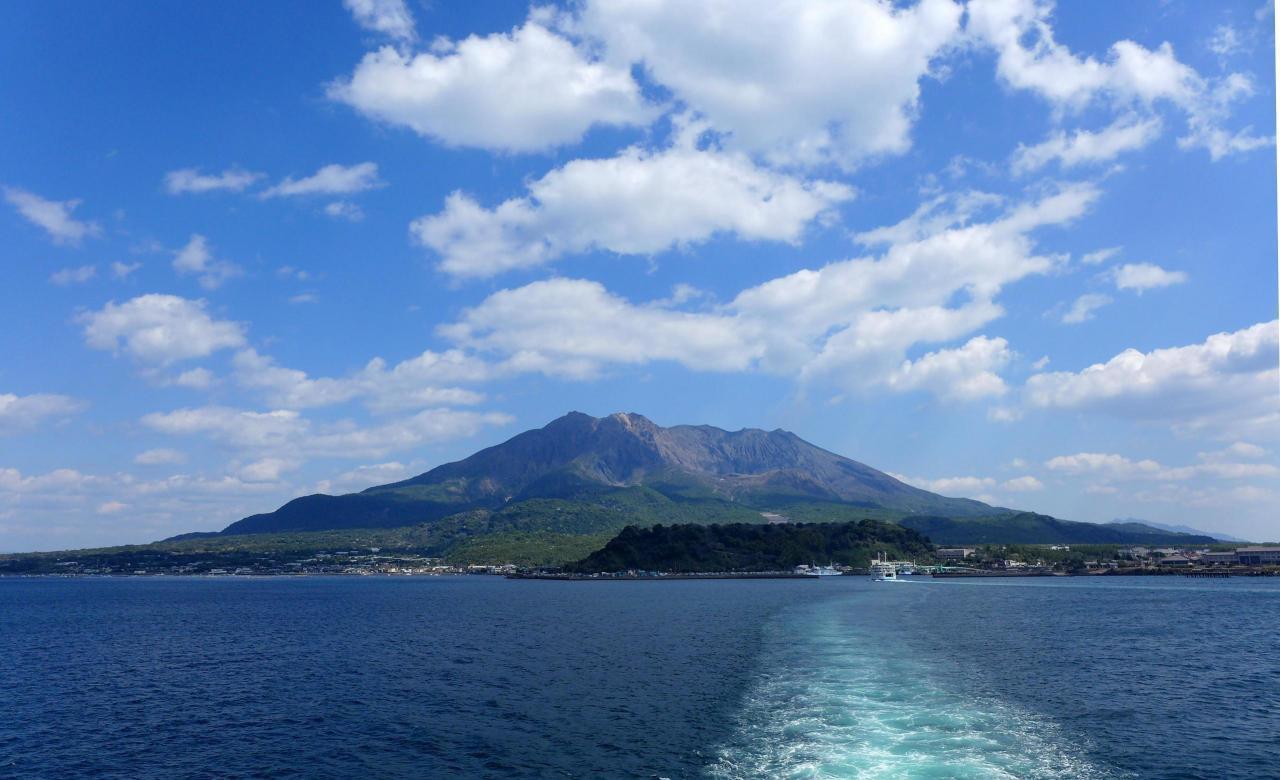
839	699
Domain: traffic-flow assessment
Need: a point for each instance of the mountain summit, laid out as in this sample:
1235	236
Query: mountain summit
583	458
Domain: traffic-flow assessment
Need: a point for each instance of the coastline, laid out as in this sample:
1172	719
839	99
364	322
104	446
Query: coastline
751	575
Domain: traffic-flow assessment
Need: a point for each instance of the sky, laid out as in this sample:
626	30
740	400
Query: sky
999	249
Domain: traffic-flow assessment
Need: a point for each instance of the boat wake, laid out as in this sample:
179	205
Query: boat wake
836	700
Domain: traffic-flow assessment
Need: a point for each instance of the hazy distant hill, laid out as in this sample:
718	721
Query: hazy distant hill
1180	529
1032	528
582	458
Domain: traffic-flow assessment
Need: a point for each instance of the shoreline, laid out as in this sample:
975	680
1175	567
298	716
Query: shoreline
760	575
977	574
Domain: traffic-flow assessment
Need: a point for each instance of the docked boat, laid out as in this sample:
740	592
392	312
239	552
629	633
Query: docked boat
818	571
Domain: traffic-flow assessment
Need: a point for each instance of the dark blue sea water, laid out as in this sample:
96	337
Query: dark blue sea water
483	677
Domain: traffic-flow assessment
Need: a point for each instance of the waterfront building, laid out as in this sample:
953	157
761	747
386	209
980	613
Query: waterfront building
1258	555
954	553
1211	558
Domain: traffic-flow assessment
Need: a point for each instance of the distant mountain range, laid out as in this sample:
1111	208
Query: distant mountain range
1178	529
1032	528
586	475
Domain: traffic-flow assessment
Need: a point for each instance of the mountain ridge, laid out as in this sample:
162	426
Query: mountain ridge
587	475
577	453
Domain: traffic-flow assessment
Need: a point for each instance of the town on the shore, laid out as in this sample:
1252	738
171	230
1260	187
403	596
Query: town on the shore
976	560
1092	559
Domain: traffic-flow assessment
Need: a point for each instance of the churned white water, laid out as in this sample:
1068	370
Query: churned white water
840	696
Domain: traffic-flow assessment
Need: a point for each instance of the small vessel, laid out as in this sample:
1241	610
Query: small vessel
883	570
818	571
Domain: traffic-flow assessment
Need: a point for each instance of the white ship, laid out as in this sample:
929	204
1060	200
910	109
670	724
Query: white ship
883	570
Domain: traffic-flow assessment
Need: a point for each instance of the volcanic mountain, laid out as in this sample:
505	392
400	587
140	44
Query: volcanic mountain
617	461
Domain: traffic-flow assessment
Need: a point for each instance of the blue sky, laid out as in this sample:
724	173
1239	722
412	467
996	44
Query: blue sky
999	249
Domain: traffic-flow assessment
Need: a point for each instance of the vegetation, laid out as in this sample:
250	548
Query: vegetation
809	511
751	547
533	549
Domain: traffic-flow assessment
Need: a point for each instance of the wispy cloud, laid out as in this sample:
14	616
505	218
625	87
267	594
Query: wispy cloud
52	216
1084	307
69	276
190	180
330	180
1145	276
196	258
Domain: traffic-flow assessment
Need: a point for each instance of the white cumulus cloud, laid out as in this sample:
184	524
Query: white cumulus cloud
636	203
1228	382
1131	77
389	17
850	323
159	329
570	327
965	373
797	82
24	412
527	90
1145	276
1022	484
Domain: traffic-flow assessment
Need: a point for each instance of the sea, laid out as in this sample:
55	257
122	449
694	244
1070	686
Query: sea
477	676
